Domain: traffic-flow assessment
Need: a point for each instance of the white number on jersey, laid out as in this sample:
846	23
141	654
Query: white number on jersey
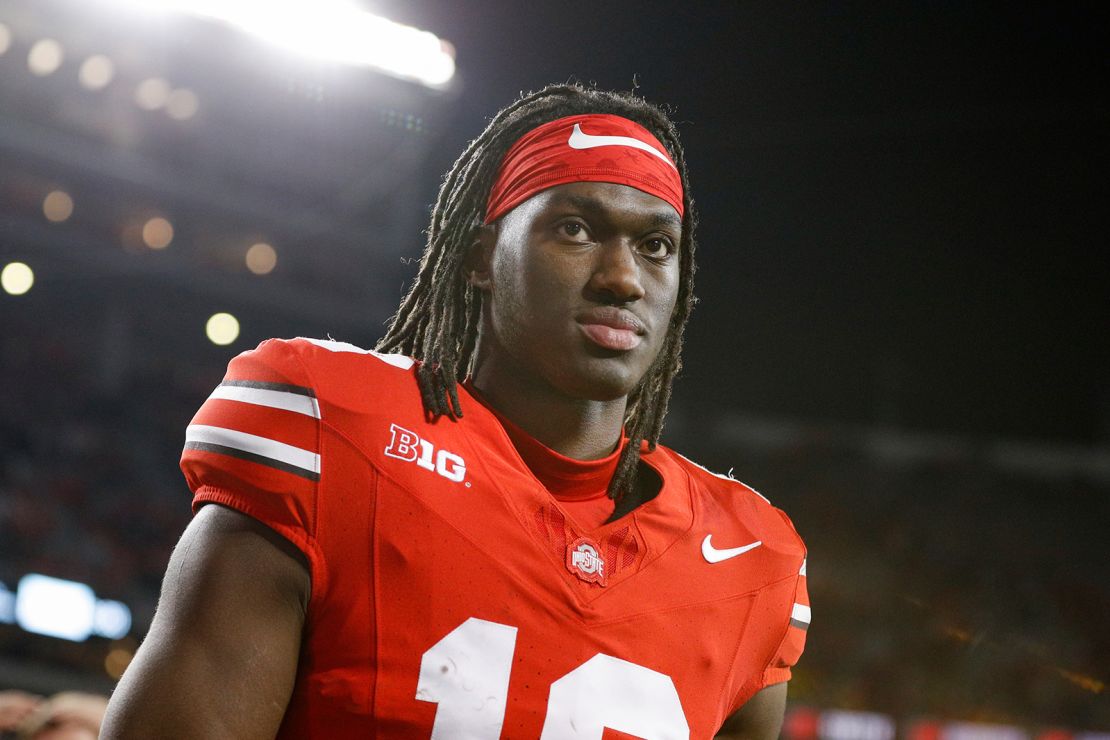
467	675
610	692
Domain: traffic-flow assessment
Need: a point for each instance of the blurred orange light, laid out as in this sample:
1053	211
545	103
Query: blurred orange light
57	206
157	233
116	662
5	39
1088	683
261	258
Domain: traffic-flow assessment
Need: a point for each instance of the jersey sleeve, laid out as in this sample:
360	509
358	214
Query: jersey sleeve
794	641
254	445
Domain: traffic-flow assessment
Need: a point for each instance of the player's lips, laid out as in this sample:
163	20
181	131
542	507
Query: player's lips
612	328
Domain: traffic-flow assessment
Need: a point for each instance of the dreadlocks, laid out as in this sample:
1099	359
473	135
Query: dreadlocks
437	322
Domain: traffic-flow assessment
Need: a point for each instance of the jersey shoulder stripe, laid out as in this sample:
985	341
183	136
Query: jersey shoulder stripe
255	445
295	398
254	448
264	412
799	616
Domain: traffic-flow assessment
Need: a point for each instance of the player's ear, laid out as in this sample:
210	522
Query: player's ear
480	256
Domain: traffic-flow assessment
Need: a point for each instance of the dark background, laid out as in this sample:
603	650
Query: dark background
902	204
900	339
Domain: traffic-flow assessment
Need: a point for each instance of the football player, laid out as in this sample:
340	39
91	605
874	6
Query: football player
472	531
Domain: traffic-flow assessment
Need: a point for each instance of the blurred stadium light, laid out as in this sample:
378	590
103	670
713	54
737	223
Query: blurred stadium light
96	72
65	609
57	206
261	258
842	725
16	278
111	619
191	113
328	31
45	57
812	723
7	605
5	38
222	328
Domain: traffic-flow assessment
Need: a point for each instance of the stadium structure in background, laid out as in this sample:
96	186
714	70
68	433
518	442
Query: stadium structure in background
179	180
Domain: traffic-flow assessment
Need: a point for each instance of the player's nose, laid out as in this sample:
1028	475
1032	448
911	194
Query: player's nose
616	273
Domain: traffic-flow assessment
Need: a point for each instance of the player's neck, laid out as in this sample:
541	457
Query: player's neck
577	428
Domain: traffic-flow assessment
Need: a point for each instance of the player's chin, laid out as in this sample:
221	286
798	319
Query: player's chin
606	378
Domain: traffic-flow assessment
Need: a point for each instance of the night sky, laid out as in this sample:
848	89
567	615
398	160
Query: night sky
902	205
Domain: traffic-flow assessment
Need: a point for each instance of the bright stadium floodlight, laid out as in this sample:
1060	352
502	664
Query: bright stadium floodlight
65	609
111	619
328	30
54	607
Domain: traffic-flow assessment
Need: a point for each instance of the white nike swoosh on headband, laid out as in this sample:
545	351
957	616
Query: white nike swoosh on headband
581	140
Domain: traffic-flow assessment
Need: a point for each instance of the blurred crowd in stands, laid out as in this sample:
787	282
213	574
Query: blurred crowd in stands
90	491
949	588
68	715
941	588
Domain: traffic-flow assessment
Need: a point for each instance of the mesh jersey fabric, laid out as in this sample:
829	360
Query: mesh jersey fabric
442	567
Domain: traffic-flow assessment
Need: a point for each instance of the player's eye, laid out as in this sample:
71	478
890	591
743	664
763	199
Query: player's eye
657	247
574	230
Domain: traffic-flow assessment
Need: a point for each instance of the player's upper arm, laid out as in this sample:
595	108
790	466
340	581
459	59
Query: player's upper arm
221	656
760	718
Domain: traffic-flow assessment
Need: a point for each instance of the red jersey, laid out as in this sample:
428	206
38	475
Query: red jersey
452	597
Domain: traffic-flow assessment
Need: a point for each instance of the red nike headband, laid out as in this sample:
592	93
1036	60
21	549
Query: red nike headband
585	148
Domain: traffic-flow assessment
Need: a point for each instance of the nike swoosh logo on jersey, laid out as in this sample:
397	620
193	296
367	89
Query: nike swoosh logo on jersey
714	555
579	139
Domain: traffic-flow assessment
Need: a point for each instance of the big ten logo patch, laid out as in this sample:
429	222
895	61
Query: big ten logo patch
408	446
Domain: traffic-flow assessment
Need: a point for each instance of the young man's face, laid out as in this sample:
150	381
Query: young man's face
580	282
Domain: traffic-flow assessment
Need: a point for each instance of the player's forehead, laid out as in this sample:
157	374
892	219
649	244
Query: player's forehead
606	200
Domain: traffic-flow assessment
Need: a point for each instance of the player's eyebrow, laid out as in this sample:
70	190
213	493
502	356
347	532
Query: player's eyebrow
594	206
666	218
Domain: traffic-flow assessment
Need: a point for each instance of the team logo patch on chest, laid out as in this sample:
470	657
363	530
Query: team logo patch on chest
584	560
